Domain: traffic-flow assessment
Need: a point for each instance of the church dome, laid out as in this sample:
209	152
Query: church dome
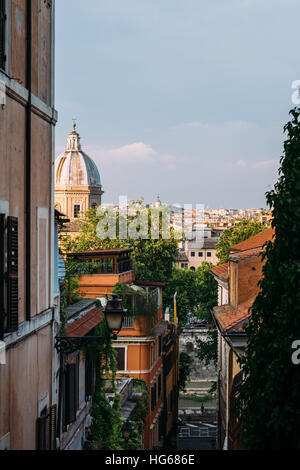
74	167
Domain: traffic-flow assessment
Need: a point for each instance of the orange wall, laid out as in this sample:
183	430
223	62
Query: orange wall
97	285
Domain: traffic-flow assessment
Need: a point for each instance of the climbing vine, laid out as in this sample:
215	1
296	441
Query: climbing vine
106	429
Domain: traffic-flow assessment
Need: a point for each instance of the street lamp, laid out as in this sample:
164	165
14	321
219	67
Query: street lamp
113	312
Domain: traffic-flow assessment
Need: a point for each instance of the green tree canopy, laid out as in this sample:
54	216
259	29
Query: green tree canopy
185	364
269	396
233	235
153	258
196	292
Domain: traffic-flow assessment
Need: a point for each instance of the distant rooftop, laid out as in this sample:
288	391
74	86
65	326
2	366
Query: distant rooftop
256	241
101	252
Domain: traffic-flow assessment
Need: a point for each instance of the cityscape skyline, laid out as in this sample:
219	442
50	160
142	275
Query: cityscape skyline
152	111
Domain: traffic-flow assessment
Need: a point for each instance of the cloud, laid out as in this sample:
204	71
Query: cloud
137	152
241	164
266	164
263	165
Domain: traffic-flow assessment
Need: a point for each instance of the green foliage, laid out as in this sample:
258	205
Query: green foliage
141	304
185	363
63	306
233	235
83	267
106	430
153	258
208	349
269	396
196	292
139	414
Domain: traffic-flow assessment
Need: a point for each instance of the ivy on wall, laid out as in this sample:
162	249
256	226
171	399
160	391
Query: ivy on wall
106	429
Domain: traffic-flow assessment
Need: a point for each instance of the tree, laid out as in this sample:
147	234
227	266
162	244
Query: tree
153	258
185	363
208	349
233	235
196	292
269	396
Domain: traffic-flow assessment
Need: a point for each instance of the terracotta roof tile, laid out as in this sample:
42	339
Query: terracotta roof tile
246	253
230	318
221	271
256	241
85	324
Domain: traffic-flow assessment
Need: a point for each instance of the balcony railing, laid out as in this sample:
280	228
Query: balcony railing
128	322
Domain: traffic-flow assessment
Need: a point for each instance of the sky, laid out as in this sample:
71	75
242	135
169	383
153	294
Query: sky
182	98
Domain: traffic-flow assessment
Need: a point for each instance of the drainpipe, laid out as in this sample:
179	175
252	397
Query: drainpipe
28	158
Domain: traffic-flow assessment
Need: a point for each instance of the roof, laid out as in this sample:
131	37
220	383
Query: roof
74	167
182	256
72	226
84	325
233	320
203	244
221	271
149	283
256	241
100	252
246	253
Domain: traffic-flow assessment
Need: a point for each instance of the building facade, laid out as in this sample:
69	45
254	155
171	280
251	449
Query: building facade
29	296
238	287
77	180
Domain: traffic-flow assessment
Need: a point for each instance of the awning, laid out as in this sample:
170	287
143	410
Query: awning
84	325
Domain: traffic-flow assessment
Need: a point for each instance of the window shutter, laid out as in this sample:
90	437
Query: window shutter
72	393
12	274
52	427
77	385
89	377
2	270
159	386
42	442
2	34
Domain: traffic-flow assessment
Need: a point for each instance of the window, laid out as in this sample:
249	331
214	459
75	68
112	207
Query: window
193	254
76	211
46	430
107	265
193	268
200	254
120	358
2	34
89	377
184	265
9	293
71	392
94	206
153	397
159	346
209	254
